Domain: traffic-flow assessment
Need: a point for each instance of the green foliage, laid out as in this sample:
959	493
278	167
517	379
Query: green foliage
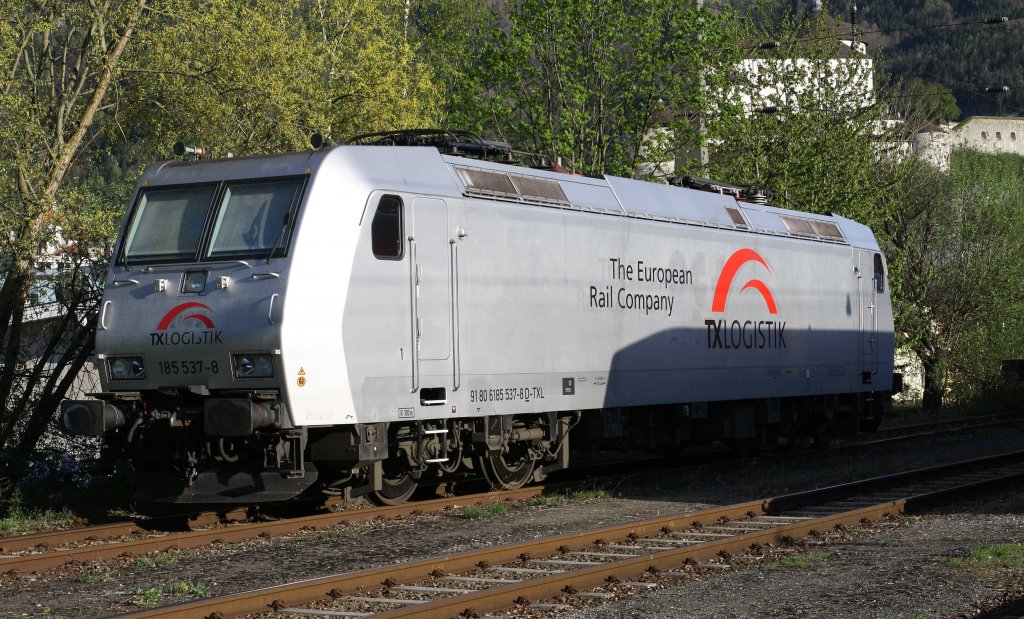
928	101
989	556
562	499
18	518
588	495
186	588
474	512
336	67
97	91
547	501
103	576
955	246
805	121
147	597
801	561
157	559
966	56
587	80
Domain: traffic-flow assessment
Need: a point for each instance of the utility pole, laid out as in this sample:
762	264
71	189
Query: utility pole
701	152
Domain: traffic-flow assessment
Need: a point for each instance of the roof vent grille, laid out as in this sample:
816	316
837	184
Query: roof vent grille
533	187
486	181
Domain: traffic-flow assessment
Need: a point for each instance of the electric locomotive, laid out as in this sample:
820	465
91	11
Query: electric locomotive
354	319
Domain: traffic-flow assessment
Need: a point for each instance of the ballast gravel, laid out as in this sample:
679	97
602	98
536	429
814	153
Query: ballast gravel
898	568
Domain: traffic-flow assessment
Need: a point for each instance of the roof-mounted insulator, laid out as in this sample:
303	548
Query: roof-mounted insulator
706	184
456	143
757	195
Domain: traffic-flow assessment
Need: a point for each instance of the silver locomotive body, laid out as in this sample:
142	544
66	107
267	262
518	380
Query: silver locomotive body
353	319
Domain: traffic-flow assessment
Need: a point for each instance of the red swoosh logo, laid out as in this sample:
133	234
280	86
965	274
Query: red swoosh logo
174	313
732	265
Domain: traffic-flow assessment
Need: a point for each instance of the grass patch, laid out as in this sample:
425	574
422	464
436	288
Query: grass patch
107	576
562	499
17	522
147	597
190	589
484	511
548	501
800	562
41	500
989	556
157	559
588	495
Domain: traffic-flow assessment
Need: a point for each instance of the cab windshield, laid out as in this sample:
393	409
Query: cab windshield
244	219
253	218
168	224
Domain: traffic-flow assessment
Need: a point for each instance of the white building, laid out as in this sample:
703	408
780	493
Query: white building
988	134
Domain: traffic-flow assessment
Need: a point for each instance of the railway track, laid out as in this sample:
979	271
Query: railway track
46	550
545	574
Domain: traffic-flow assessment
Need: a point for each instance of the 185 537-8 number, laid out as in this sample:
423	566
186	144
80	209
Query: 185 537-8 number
182	368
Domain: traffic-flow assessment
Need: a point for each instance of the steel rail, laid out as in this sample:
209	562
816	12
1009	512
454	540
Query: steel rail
139	526
331	586
496	598
193	539
68	536
50	559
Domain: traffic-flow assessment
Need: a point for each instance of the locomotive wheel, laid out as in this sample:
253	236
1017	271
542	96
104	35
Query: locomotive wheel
870	425
823	434
506	472
397	485
766	440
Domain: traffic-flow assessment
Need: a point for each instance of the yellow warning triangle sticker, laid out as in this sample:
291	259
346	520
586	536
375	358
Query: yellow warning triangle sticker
302	371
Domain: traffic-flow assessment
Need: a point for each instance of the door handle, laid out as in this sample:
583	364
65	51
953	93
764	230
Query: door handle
270	311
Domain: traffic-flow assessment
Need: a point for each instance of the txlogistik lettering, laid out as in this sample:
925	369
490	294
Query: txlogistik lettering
185	338
748	334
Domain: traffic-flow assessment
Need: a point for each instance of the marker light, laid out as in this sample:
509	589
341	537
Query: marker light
126	368
253	365
194	283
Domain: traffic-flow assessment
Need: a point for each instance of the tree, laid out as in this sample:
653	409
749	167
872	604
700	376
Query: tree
95	90
927	102
62	60
587	80
804	116
334	67
956	244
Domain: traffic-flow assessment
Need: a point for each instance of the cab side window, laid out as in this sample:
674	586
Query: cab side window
386	229
879	274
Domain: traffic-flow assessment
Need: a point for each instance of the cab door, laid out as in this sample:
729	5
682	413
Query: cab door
431	277
871	280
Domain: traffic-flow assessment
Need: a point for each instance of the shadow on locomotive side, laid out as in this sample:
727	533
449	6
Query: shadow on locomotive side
747	399
357	319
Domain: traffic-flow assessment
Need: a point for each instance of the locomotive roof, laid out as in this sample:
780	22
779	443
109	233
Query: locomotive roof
424	170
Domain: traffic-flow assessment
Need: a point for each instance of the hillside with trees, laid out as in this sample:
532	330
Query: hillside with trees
947	42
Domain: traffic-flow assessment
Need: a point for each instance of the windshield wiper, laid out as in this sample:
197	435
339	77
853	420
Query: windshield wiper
280	237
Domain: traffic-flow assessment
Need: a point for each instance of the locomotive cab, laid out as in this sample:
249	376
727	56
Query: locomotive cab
189	339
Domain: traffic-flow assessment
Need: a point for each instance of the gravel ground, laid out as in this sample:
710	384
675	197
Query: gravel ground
893	569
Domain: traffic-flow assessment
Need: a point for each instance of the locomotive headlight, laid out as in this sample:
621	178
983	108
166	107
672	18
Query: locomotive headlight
194	283
253	365
126	368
